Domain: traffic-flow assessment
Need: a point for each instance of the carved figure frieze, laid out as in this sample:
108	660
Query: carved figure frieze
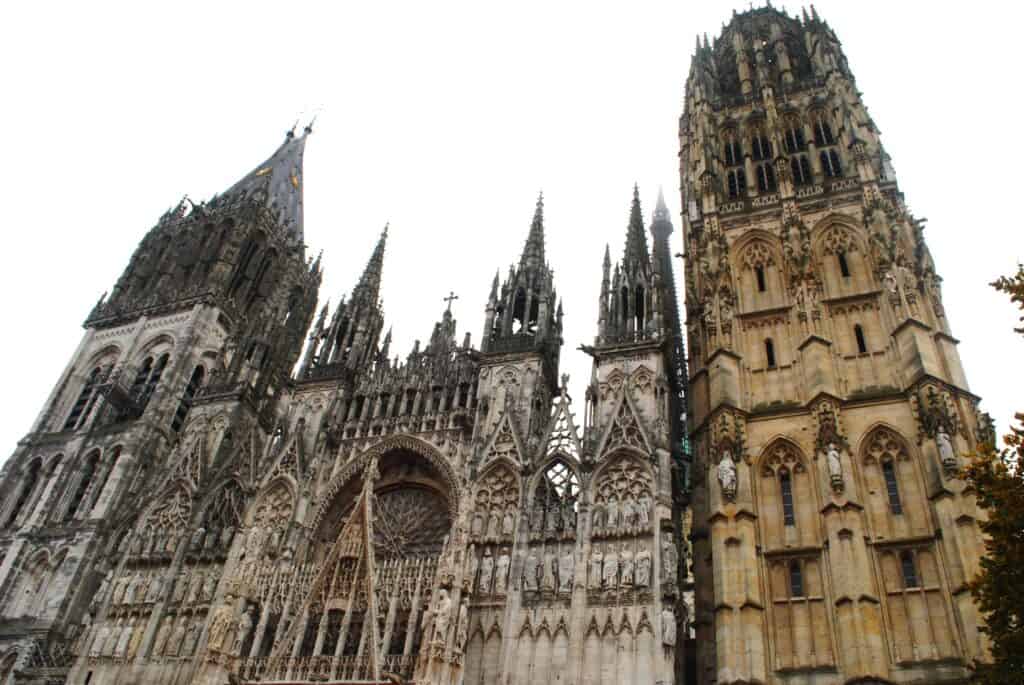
623	501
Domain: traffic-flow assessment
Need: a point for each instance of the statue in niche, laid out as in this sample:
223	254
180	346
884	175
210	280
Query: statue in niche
669	562
136	639
486	570
610	577
501	577
210	542
191	637
195	587
613	514
472	565
195	544
131	594
945	445
180	586
113	637
643	567
245	624
629	513
493	523
220	625
155	541
117	594
565	570
156	586
137	545
643	509
98	640
547	581
508	522
160	644
442	617
598	519
477	526
568	514
835	466
174	645
596	560
101	593
626	566
227	536
727	475
462	626
530	570
551	522
125	634
275	540
668	627
209	586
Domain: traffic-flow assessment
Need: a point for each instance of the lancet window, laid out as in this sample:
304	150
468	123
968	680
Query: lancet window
553	510
28	486
194	383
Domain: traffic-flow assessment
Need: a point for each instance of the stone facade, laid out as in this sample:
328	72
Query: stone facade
829	411
188	509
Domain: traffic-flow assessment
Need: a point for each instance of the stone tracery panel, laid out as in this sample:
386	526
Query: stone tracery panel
623	500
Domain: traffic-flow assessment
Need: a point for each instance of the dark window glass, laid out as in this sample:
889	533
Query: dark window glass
759	273
788	513
796	579
844	266
769	353
191	389
862	346
910	579
892	487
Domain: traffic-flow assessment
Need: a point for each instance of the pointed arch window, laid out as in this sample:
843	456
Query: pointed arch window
909	570
85	399
769	353
892	487
786	488
152	380
555	499
90	466
794	136
194	383
737	183
766	178
28	486
759	275
761	148
800	169
519	314
830	163
625	305
796	579
733	150
844	264
640	311
862	345
823	132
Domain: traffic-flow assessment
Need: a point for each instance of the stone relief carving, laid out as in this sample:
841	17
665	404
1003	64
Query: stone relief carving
623	500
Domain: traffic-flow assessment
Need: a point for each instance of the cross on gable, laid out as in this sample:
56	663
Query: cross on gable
451	296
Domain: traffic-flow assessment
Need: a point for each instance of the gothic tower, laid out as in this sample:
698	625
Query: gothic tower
833	541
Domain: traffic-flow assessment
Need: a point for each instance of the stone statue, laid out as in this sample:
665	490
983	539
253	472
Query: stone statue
629	513
171	543
626	566
136	639
209	587
180	586
669	561
668	627
727	475
508	522
536	519
493	524
945	445
210	541
613	514
131	594
610	578
227	536
160	644
598	518
565	570
245	624
472	565
547	580
486	571
195	587
156	586
220	625
835	466
552	520
101	593
121	648
114	637
643	567
174	645
442	616
188	646
501	578
99	639
596	560
643	507
531	569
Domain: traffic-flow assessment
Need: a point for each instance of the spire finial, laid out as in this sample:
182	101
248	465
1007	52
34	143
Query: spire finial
451	296
291	131
309	127
533	251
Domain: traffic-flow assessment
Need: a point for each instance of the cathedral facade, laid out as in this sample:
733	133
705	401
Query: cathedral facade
833	539
229	485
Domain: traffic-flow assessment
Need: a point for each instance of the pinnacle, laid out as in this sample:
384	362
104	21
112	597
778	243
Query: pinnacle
636	240
533	251
370	280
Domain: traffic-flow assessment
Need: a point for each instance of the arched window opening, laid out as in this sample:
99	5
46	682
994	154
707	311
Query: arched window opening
555	499
89	467
796	580
640	311
194	383
830	163
737	183
823	133
794	137
153	380
625	305
858	333
27	488
910	579
519	312
139	382
800	169
844	265
761	147
892	487
733	151
769	352
766	179
759	273
786	486
85	399
248	266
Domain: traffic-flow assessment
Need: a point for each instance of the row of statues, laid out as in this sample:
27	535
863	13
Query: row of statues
494	524
628	516
618	568
555	518
547	570
487	574
142	588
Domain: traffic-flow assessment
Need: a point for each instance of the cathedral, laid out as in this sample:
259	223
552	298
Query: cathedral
229	484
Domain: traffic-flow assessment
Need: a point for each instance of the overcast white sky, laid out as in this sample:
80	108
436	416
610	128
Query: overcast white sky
446	119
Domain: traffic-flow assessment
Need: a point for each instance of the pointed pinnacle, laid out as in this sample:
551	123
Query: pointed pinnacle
607	256
533	251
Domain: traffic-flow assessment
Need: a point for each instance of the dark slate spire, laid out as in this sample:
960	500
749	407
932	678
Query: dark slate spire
636	254
277	183
368	288
533	251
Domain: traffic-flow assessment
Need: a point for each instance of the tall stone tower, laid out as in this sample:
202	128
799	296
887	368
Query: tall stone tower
833	540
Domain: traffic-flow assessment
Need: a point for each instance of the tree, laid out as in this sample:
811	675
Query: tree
997	477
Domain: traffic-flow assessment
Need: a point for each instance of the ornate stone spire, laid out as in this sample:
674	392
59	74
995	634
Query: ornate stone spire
635	256
533	251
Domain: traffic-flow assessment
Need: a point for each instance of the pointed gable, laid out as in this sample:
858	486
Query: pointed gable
626	429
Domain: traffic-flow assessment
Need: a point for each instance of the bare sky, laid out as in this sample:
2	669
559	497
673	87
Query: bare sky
446	119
